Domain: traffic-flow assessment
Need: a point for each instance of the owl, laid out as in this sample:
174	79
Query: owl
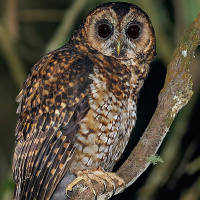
78	105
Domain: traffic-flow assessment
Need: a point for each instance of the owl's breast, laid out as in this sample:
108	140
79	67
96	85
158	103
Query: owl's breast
105	130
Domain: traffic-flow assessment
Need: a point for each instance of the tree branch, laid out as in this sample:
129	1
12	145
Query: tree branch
175	94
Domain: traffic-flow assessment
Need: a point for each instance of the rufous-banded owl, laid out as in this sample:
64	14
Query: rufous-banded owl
78	105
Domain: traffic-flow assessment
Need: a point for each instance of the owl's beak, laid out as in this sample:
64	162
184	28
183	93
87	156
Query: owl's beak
118	47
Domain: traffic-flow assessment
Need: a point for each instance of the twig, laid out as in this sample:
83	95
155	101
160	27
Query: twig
41	15
11	19
12	58
192	192
176	93
66	25
8	37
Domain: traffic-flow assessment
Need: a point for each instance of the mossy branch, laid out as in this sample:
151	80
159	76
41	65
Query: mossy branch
175	94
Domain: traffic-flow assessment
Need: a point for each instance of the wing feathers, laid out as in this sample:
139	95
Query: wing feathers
51	105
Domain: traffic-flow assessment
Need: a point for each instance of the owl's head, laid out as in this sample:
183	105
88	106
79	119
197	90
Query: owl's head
120	30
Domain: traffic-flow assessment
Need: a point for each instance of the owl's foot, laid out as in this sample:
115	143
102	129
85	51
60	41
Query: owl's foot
98	175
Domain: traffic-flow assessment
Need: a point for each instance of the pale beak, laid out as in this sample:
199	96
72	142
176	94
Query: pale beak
118	47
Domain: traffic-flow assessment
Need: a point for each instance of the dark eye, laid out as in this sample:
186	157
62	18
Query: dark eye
104	30
133	31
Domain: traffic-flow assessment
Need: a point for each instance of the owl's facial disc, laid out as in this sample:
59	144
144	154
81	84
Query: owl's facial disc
115	40
123	35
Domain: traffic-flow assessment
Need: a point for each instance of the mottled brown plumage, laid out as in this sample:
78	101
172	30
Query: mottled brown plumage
78	105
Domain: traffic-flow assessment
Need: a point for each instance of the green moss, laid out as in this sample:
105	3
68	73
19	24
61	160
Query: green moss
154	159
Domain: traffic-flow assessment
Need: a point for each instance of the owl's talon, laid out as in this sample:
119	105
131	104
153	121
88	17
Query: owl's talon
105	175
99	176
66	192
84	177
120	181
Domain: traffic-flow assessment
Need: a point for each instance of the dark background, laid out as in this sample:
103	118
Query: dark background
29	29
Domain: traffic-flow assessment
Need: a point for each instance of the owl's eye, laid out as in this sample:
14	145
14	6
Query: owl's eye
104	30
133	31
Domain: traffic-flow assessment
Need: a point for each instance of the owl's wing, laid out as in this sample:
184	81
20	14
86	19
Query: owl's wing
51	105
